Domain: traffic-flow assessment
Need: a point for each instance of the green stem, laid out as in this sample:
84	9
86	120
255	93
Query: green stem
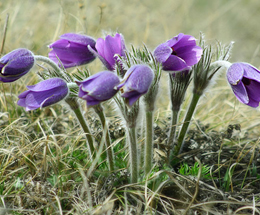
172	134
149	142
49	62
186	123
133	153
76	109
101	115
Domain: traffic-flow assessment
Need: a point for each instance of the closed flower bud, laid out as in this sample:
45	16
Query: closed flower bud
244	80
43	94
15	64
72	50
136	82
98	88
108	48
178	53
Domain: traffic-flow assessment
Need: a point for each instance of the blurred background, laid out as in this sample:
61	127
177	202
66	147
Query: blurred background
34	24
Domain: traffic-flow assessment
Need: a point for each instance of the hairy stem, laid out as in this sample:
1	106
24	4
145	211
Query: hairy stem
186	123
148	142
101	115
172	134
76	109
51	63
133	153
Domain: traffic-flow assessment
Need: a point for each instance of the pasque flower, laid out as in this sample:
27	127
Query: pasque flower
178	53
108	48
136	82
72	50
98	87
244	80
15	64
43	94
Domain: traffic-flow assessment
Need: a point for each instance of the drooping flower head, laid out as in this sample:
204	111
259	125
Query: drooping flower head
136	82
15	64
43	94
108	48
244	80
178	53
98	88
72	50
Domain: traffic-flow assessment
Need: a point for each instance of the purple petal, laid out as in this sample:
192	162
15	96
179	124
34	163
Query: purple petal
98	87
47	85
70	53
235	74
131	100
174	40
174	63
102	59
253	103
110	49
139	78
184	40
240	92
191	55
251	72
253	90
100	44
162	52
79	38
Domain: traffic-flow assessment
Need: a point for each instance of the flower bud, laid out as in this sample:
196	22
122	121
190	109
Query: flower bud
72	50
15	64
178	53
244	80
98	88
107	48
43	94
136	82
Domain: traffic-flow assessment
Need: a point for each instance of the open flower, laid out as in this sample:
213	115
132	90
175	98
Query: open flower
244	80
43	94
108	48
178	53
72	50
15	64
98	88
136	82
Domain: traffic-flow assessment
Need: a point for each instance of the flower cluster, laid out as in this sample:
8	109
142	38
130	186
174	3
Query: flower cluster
128	75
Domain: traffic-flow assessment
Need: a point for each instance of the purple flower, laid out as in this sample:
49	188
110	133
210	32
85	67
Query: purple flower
137	81
244	80
98	88
108	48
15	64
43	94
178	53
72	50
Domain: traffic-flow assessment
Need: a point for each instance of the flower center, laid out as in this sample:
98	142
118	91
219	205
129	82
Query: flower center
173	51
246	81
